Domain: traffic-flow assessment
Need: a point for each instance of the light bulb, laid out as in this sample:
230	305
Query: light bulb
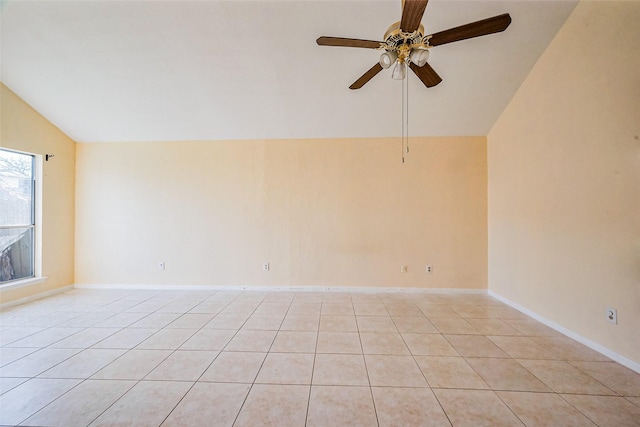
388	58
419	57
399	71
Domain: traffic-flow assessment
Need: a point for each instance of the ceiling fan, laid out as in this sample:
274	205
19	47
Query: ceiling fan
406	45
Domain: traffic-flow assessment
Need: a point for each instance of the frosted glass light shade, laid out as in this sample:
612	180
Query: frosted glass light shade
387	58
399	71
419	57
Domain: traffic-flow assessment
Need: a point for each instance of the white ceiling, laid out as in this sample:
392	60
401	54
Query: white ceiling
106	71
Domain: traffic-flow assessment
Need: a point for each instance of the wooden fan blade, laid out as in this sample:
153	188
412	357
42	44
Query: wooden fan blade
427	75
339	41
492	25
412	12
366	77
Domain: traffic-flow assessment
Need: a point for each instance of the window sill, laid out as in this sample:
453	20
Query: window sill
22	283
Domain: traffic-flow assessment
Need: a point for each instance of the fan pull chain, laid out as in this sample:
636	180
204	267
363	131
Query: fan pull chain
402	126
405	117
402	122
406	82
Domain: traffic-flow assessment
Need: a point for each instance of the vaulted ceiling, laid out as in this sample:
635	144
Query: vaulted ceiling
107	71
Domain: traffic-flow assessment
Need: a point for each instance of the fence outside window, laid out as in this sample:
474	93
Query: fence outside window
17	216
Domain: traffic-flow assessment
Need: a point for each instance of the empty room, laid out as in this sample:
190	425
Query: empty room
320	213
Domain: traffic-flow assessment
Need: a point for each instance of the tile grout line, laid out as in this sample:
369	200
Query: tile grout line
413	356
577	409
375	410
203	372
136	382
313	366
263	360
49	346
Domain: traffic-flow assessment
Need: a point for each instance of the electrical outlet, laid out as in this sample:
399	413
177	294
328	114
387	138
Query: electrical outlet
265	266
612	315
429	269
403	268
161	265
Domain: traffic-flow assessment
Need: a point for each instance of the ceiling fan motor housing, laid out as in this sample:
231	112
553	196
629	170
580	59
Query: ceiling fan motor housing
403	44
395	37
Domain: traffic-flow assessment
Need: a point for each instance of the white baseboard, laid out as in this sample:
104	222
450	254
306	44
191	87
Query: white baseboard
35	297
279	288
635	366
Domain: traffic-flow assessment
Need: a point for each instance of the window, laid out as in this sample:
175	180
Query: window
19	228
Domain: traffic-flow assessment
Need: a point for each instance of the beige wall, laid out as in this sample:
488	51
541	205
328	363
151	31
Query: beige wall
564	181
22	128
322	212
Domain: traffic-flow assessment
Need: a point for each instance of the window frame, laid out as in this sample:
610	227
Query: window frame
36	214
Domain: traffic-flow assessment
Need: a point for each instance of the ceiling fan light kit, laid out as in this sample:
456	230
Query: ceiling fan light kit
406	45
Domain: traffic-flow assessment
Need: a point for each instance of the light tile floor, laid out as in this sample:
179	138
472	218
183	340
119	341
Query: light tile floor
91	357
